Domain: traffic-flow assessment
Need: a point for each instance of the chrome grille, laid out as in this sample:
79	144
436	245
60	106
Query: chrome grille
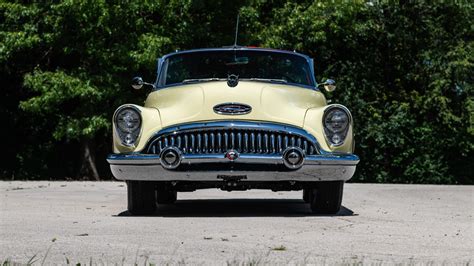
220	140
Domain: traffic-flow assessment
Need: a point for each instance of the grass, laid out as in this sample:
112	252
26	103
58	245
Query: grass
270	257
249	261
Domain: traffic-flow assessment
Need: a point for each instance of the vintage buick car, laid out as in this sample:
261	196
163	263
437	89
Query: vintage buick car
233	118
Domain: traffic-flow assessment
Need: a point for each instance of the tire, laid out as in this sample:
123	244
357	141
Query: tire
326	198
307	195
165	196
141	197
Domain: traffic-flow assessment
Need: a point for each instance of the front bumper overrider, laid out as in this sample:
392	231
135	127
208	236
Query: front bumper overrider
251	167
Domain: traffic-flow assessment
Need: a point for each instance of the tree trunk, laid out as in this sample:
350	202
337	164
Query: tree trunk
88	167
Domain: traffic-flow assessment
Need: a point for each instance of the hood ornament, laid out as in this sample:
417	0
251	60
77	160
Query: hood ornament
232	109
232	80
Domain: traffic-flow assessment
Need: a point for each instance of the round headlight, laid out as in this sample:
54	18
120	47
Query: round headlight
336	120
128	120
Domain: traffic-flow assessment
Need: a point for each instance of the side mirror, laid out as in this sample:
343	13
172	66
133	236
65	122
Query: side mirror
137	83
329	85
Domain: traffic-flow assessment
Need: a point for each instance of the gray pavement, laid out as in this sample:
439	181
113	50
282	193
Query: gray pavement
57	222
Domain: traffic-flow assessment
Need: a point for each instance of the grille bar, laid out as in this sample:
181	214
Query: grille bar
245	141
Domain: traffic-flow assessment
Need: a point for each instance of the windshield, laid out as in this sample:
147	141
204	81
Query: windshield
205	66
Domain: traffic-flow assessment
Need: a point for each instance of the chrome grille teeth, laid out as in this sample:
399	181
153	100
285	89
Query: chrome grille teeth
179	142
226	141
205	148
199	143
246	142
253	141
185	143
219	142
280	148
265	143
272	142
239	141
212	142
232	140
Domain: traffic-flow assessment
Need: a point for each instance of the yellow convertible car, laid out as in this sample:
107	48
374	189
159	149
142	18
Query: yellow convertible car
233	118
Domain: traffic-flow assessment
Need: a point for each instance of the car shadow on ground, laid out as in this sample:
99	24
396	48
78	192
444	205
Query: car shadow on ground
238	208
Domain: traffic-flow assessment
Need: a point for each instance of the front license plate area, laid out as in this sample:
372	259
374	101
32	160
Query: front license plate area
231	177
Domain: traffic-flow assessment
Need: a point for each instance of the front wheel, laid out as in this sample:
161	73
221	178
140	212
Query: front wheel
141	197
326	197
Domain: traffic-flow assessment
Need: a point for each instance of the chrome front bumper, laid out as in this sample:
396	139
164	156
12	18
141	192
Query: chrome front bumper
145	167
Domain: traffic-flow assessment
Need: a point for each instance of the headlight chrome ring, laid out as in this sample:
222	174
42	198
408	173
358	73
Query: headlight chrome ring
336	121
128	122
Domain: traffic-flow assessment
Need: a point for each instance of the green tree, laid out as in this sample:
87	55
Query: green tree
405	71
67	65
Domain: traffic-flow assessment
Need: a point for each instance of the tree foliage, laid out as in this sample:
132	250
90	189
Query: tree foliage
405	71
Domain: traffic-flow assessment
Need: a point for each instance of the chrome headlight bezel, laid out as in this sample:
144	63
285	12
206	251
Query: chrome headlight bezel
128	135
336	134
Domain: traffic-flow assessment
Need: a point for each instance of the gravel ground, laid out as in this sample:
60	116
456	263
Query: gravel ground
57	222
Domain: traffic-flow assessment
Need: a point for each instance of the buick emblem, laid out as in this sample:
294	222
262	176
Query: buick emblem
232	155
232	109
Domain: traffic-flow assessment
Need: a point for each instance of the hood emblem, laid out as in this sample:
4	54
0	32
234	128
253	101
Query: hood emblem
232	109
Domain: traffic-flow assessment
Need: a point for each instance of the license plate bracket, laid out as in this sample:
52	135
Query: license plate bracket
232	177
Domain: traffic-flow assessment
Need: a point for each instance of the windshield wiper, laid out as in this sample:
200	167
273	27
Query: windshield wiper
200	80
268	80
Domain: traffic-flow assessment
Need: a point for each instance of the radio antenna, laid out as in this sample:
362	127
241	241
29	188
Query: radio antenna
236	31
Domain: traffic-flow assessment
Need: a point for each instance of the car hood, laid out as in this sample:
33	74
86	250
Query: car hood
277	103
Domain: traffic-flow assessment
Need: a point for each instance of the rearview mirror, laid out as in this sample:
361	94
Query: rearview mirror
137	83
329	85
238	61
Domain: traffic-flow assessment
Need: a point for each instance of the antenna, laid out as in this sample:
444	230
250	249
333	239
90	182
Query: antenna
236	31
